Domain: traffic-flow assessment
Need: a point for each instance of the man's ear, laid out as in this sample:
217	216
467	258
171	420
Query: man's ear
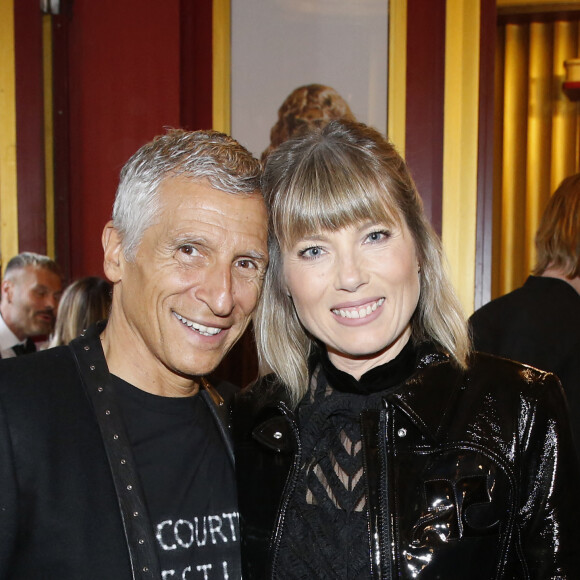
113	253
7	288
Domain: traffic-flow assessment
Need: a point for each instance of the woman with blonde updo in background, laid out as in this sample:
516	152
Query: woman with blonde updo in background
83	303
306	107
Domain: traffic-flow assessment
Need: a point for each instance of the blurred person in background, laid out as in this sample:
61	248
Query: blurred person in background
84	302
305	107
539	323
31	291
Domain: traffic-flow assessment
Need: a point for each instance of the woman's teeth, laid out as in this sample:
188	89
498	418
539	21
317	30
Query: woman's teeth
361	312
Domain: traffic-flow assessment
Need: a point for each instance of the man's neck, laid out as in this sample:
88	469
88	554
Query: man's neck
8	337
135	364
558	274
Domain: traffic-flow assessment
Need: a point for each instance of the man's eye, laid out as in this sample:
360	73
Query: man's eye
247	264
188	249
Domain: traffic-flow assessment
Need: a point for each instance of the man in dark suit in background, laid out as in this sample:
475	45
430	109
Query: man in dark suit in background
31	290
539	323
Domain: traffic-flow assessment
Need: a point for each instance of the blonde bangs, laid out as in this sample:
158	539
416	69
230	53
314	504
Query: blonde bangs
329	195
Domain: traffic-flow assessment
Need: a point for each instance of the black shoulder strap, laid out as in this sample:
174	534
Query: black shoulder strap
93	369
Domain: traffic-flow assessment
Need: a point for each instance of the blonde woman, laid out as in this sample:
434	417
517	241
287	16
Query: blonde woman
83	302
380	446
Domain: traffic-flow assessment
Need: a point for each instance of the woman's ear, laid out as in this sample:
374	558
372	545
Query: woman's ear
113	253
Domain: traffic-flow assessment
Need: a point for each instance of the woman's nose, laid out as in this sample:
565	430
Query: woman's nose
350	273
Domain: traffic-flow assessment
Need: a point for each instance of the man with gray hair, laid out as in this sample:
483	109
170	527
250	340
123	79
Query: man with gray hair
115	460
31	290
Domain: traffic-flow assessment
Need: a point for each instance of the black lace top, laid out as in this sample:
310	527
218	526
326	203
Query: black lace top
326	531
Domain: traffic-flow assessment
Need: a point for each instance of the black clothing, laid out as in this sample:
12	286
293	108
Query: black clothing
468	474
71	506
28	347
328	506
537	324
192	505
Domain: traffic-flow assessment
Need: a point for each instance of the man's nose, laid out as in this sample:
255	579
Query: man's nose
217	291
51	301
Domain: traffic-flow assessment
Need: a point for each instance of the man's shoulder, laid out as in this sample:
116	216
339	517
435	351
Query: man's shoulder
51	366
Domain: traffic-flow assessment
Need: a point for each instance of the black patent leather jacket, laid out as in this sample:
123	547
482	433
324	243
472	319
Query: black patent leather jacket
469	474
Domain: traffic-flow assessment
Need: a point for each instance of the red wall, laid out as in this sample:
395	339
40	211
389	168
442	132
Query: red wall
124	88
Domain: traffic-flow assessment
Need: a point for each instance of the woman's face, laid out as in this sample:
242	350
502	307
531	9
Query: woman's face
355	289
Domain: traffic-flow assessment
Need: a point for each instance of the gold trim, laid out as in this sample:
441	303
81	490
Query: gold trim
460	144
8	177
48	133
522	6
397	107
221	44
215	396
514	153
566	117
539	133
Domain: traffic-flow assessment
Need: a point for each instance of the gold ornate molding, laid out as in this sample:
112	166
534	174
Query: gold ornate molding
8	180
221	48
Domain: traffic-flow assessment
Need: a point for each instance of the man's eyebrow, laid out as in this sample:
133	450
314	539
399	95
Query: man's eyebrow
190	239
260	256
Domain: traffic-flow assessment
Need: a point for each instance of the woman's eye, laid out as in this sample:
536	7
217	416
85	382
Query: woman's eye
310	253
378	236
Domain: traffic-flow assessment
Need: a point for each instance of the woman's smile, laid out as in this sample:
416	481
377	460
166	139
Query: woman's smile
358	312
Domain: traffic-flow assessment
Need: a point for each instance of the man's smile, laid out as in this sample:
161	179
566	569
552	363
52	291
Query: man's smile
205	330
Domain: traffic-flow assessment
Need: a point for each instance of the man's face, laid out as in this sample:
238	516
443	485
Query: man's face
188	295
31	297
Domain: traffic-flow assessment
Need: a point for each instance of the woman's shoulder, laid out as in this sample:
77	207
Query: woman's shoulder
487	366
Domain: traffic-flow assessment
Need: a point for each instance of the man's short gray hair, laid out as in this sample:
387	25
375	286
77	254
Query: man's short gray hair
25	259
195	155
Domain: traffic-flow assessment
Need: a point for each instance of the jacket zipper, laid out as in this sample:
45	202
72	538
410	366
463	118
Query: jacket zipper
385	519
288	491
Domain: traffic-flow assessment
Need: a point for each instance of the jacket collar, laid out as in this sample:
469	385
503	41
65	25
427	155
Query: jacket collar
429	402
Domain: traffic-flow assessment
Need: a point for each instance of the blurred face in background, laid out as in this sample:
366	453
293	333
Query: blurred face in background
30	298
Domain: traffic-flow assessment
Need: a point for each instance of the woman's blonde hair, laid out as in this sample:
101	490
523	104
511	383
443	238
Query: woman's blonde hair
558	236
84	302
343	174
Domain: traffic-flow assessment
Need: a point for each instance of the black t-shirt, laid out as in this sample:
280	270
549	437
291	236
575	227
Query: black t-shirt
188	482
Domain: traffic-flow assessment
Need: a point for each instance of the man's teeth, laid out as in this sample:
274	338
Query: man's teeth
205	330
359	312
